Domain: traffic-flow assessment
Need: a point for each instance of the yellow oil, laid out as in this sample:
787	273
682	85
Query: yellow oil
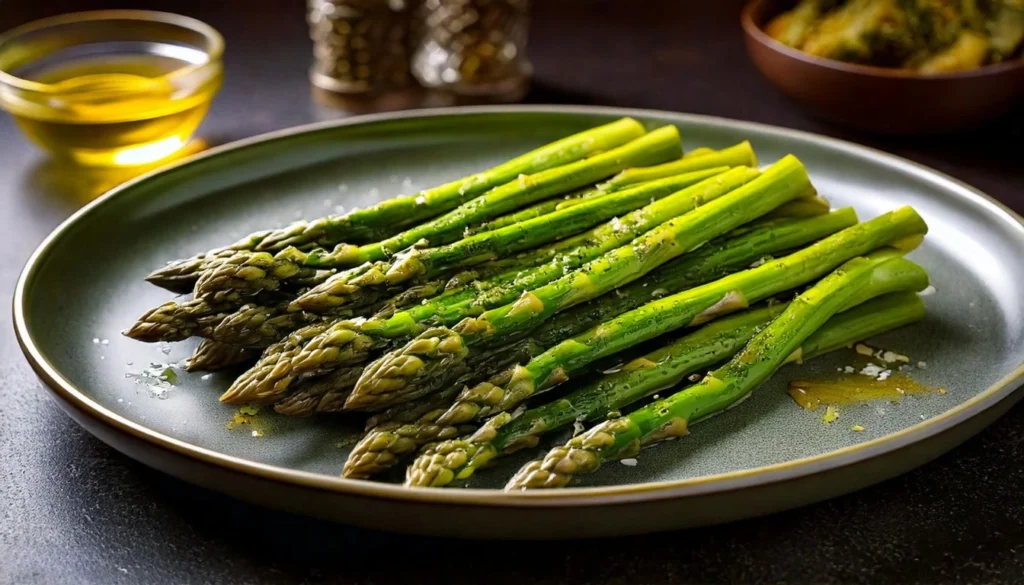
811	394
113	109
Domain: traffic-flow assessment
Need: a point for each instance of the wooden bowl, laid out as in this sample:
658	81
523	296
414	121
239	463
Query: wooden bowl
890	101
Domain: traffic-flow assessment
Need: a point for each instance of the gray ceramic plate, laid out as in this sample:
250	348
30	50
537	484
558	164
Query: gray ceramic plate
85	283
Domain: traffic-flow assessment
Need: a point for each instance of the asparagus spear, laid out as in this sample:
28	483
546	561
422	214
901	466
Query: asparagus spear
348	342
380	221
506	390
383	382
671	416
259	326
320	394
735	156
180	276
328	393
556	258
173	321
425	263
269	364
707	263
257	271
385	218
902	228
212	355
458	459
739	155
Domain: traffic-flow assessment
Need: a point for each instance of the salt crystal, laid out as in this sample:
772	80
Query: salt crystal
407	183
120	399
849	369
694	377
205	376
577	428
922	365
928	291
95	339
104	342
863	349
884	375
629	462
420	200
102	358
872	370
339	209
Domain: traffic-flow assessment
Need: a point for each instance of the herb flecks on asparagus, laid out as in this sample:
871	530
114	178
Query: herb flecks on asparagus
688	308
695	306
261	271
654	372
383	219
672	416
427	263
784	181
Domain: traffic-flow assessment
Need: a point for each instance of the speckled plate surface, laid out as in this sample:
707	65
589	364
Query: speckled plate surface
85	283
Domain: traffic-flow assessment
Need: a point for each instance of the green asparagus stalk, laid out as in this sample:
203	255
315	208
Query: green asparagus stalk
379	221
695	306
671	416
259	326
210	356
328	393
258	271
417	264
386	218
349	342
527	213
180	276
173	321
705	264
741	154
902	228
323	394
269	365
383	382
499	395
555	259
664	368
736	156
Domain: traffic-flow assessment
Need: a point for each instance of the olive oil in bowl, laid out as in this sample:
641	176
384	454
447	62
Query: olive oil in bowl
111	99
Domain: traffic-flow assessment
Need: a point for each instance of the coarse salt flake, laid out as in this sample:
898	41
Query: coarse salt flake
630	462
872	370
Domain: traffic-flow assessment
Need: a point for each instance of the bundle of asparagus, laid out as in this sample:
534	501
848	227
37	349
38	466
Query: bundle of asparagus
440	314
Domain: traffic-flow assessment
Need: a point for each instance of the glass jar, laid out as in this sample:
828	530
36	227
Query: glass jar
360	47
473	48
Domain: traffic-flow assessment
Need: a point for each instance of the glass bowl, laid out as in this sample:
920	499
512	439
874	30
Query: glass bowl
112	87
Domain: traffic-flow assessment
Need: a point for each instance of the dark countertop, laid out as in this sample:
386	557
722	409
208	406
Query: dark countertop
72	510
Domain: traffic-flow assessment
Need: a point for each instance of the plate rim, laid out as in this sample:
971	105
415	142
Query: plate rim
491	498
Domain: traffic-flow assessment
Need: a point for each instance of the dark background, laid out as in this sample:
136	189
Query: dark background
72	510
